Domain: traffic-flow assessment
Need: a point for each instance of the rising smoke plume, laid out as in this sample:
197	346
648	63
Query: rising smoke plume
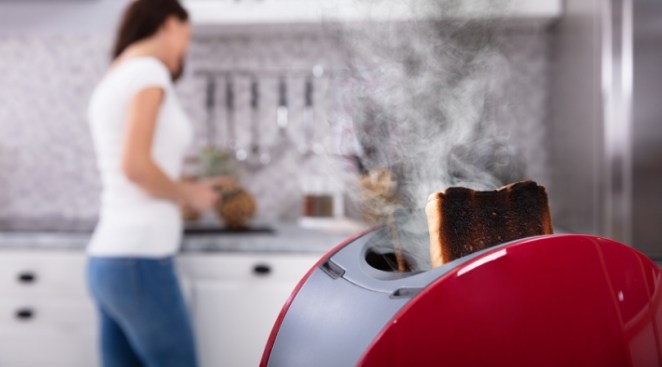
425	100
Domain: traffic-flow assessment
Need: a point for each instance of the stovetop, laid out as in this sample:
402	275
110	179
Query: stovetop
209	229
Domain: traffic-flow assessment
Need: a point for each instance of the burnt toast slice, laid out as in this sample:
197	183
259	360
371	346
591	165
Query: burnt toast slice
462	221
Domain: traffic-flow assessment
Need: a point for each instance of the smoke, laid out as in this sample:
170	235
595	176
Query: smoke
425	101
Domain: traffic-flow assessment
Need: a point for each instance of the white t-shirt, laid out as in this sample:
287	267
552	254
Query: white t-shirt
131	221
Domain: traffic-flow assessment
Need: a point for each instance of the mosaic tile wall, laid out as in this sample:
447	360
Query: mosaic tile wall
47	167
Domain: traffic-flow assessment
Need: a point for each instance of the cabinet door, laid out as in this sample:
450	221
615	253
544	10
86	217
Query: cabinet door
43	273
48	332
46	313
46	316
234	316
32	347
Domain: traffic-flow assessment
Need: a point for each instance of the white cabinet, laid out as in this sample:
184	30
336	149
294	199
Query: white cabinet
28	347
236	300
42	273
48	319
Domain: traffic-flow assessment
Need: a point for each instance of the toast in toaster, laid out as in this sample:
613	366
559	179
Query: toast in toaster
462	221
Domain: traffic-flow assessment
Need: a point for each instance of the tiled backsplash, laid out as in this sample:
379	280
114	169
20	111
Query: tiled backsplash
47	167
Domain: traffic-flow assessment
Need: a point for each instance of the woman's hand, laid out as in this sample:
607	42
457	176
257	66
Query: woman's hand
199	196
220	182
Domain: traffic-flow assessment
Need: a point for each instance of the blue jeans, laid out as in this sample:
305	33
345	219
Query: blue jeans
143	317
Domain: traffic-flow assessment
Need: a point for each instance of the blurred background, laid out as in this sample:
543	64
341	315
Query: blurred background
328	112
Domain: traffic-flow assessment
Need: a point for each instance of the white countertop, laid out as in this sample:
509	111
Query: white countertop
287	237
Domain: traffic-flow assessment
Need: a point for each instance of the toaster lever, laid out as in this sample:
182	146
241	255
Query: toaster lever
405	292
332	269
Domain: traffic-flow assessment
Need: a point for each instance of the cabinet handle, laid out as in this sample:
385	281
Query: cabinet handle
27	277
262	269
24	313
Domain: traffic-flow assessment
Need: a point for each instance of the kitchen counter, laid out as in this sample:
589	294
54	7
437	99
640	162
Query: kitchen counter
248	275
285	238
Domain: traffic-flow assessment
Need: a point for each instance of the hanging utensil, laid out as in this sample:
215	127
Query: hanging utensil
307	146
282	144
210	105
262	156
255	157
231	134
282	112
230	112
242	151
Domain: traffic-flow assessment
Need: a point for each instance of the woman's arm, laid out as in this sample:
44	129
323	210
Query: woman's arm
137	162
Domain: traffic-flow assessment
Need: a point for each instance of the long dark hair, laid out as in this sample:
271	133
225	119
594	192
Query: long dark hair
142	19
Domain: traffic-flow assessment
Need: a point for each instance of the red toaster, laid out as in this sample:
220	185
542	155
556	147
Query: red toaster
556	300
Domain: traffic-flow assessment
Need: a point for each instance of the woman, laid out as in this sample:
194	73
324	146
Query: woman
140	134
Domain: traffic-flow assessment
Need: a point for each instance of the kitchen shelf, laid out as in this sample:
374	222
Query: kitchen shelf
240	13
